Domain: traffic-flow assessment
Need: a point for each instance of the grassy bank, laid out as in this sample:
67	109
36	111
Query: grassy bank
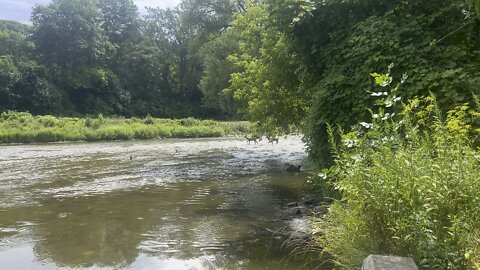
21	127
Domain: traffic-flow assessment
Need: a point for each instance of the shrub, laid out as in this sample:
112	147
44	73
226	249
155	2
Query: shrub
144	131
189	122
48	121
410	187
149	120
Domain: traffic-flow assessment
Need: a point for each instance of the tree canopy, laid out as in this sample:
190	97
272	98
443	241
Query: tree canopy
90	57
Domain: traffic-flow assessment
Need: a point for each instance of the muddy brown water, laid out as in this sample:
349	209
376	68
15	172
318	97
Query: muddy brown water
166	204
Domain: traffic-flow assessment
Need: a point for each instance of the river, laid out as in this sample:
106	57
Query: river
164	204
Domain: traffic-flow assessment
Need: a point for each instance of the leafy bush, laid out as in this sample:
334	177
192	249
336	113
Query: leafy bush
410	187
189	122
48	121
149	120
93	123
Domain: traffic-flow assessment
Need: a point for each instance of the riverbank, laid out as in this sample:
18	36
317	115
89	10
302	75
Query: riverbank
22	127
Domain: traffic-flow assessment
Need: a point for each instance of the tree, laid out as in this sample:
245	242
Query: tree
309	62
72	44
120	20
217	73
14	39
68	33
267	81
9	75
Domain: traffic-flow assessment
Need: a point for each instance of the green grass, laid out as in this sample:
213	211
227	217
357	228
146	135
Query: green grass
22	127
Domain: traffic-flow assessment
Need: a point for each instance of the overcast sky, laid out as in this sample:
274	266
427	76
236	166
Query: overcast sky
19	10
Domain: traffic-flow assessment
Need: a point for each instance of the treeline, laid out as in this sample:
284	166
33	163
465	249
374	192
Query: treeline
280	63
100	56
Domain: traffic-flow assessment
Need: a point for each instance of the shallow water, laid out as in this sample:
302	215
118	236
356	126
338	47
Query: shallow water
167	204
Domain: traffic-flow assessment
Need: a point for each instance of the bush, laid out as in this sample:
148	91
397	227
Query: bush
189	122
149	120
410	187
48	121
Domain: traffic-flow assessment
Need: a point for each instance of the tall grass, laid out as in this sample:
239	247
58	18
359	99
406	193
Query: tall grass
410	186
22	127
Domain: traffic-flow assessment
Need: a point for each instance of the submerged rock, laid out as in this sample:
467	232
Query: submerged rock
292	168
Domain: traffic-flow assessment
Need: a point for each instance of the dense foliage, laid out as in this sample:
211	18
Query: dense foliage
307	62
100	56
409	186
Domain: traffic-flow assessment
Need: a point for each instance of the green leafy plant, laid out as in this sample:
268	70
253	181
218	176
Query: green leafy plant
409	185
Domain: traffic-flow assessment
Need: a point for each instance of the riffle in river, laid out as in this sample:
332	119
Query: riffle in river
165	204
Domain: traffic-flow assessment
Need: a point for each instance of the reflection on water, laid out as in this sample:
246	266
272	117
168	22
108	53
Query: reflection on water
175	204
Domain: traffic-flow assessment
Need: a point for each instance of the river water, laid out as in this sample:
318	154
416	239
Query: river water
166	204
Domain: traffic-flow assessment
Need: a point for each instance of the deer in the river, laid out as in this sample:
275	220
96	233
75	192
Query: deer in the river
292	168
251	138
272	139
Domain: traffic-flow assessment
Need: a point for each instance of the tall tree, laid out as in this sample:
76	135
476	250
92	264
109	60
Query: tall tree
72	44
184	69
68	33
120	20
267	80
217	74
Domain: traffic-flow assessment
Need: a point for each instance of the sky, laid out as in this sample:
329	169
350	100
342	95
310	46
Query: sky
19	10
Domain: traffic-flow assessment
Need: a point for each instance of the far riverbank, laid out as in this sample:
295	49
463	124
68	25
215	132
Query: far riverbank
22	127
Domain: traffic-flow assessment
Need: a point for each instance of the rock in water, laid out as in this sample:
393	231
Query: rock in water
293	168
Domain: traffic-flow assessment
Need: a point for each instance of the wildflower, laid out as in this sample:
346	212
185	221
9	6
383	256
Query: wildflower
404	78
322	176
391	101
375	116
366	125
378	94
349	143
356	157
388	139
387	82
